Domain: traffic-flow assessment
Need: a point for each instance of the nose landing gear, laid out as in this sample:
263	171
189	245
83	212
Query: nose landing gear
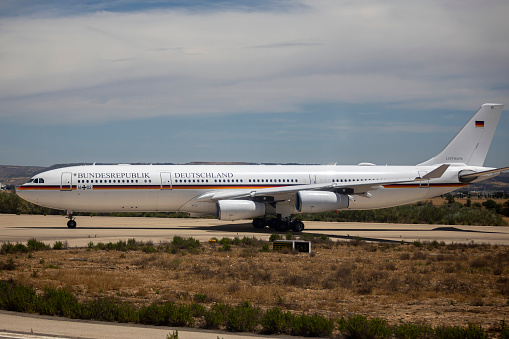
71	223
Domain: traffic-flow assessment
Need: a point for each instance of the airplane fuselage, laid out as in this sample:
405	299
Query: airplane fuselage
174	188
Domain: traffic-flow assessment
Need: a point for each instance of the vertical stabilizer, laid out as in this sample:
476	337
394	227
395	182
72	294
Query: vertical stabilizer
470	146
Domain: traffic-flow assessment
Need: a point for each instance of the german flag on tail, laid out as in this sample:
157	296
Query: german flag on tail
479	123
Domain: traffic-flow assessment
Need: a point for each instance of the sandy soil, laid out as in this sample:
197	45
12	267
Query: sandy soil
437	284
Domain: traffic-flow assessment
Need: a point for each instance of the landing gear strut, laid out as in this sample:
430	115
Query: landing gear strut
71	223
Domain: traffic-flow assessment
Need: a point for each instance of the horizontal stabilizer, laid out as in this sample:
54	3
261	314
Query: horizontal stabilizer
478	174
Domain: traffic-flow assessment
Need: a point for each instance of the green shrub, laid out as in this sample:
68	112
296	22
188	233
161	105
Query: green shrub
8	266
312	326
249	241
197	310
10	248
243	318
359	327
18	298
167	314
216	317
225	248
59	302
454	332
412	331
275	236
265	248
275	321
179	243
36	245
110	309
58	245
149	249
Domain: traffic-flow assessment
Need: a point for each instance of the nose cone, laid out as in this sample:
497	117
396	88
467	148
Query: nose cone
25	193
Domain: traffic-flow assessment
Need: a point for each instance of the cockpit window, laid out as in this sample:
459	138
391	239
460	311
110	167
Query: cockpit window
36	181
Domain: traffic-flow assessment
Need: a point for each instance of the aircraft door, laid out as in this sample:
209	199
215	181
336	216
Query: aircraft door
423	184
312	179
66	182
166	181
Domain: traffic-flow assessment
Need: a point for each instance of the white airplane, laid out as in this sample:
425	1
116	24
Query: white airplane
256	191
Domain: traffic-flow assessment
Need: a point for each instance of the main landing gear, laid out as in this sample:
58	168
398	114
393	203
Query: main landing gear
71	223
279	224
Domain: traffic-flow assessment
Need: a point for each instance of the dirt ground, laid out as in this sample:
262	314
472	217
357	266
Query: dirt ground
433	283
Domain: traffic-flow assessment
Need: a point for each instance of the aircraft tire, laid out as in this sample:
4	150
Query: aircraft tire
259	223
272	222
282	226
71	224
297	226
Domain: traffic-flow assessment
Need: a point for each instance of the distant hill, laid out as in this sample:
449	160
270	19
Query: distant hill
17	175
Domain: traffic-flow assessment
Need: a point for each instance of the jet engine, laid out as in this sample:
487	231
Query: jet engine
239	209
319	201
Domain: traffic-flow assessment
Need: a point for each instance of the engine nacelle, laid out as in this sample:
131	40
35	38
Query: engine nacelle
239	209
319	201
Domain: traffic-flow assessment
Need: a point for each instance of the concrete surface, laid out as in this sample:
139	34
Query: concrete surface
20	325
20	228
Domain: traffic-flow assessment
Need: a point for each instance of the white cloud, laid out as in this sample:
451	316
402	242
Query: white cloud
106	66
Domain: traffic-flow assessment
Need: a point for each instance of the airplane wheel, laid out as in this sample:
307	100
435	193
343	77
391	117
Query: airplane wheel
259	223
71	224
272	222
297	226
282	226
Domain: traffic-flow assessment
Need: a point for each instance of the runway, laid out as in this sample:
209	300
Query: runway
20	228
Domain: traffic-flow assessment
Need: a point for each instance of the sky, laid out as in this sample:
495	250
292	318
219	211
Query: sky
305	81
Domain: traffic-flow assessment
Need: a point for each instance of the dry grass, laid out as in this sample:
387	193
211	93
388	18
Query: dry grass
439	284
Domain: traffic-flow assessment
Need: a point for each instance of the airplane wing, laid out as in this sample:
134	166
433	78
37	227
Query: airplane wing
355	188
